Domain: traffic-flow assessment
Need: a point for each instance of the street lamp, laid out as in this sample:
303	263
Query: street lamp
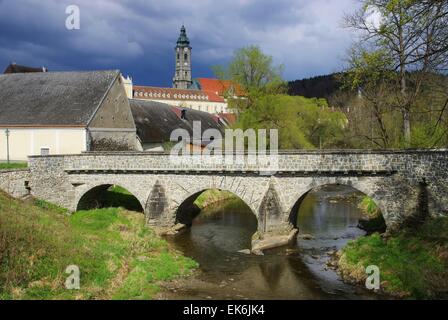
7	145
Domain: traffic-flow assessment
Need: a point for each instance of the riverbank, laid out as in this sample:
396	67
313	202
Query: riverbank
413	264
219	234
214	197
118	257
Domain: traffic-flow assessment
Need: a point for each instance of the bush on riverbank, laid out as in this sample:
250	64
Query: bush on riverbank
119	258
413	264
374	220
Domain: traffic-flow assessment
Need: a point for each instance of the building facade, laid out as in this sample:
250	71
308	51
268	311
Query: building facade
64	113
183	98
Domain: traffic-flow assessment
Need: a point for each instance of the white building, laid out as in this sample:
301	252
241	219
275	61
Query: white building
185	98
64	113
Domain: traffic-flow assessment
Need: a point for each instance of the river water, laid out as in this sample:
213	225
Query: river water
330	215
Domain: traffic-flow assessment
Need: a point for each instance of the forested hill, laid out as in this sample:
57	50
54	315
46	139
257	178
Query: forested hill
316	87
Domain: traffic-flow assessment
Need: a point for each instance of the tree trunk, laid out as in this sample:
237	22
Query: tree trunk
407	126
405	106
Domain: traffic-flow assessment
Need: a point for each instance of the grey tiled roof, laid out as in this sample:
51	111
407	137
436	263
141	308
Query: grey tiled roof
52	98
155	121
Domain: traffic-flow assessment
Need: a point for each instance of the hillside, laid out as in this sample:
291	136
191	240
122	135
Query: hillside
316	87
118	257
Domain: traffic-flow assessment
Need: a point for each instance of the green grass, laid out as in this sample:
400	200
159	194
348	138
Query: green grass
412	264
118	189
49	206
113	197
119	258
13	165
374	220
370	207
213	196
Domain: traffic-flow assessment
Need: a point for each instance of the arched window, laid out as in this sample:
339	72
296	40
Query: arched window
186	56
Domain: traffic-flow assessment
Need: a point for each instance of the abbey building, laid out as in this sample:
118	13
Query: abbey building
182	78
202	94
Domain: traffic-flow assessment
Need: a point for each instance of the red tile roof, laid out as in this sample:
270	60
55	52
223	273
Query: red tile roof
220	87
231	118
156	93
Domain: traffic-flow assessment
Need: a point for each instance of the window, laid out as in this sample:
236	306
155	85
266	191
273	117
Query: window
186	56
44	152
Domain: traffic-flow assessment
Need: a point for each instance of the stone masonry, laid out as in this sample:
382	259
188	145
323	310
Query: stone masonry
15	182
396	180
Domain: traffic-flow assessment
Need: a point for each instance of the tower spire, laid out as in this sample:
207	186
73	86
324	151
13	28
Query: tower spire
182	77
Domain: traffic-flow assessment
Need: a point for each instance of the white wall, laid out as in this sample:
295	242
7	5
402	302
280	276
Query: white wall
24	142
205	106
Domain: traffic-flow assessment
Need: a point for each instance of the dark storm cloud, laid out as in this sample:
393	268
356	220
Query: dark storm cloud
138	36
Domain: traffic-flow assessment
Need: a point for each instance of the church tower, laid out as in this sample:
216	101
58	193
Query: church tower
182	77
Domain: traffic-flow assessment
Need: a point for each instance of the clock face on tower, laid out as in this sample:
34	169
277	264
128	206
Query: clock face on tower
186	50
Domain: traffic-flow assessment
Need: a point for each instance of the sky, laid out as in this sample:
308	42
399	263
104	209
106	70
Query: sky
138	36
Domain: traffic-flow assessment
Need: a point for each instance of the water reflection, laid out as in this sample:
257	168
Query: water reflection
331	216
299	272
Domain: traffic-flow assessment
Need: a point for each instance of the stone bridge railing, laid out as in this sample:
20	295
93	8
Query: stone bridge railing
350	162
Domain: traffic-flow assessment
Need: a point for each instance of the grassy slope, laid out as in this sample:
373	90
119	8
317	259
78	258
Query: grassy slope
413	264
21	165
118	257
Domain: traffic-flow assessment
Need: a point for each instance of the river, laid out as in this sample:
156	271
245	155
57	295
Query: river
299	272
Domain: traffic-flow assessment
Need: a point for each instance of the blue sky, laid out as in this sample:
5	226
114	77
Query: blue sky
138	36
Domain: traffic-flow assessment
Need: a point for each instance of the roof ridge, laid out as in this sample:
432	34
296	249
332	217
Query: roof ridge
49	73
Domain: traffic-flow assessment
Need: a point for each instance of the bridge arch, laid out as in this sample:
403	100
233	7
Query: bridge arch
187	210
355	186
107	195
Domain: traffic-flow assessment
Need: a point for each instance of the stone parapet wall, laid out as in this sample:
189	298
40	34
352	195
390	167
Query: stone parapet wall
400	182
416	163
15	182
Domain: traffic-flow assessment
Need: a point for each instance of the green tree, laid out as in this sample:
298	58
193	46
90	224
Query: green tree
302	123
412	37
254	72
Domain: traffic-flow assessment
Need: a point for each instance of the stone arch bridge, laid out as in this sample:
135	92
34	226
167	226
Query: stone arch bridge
402	183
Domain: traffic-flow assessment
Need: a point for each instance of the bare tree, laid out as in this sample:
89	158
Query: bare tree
413	37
